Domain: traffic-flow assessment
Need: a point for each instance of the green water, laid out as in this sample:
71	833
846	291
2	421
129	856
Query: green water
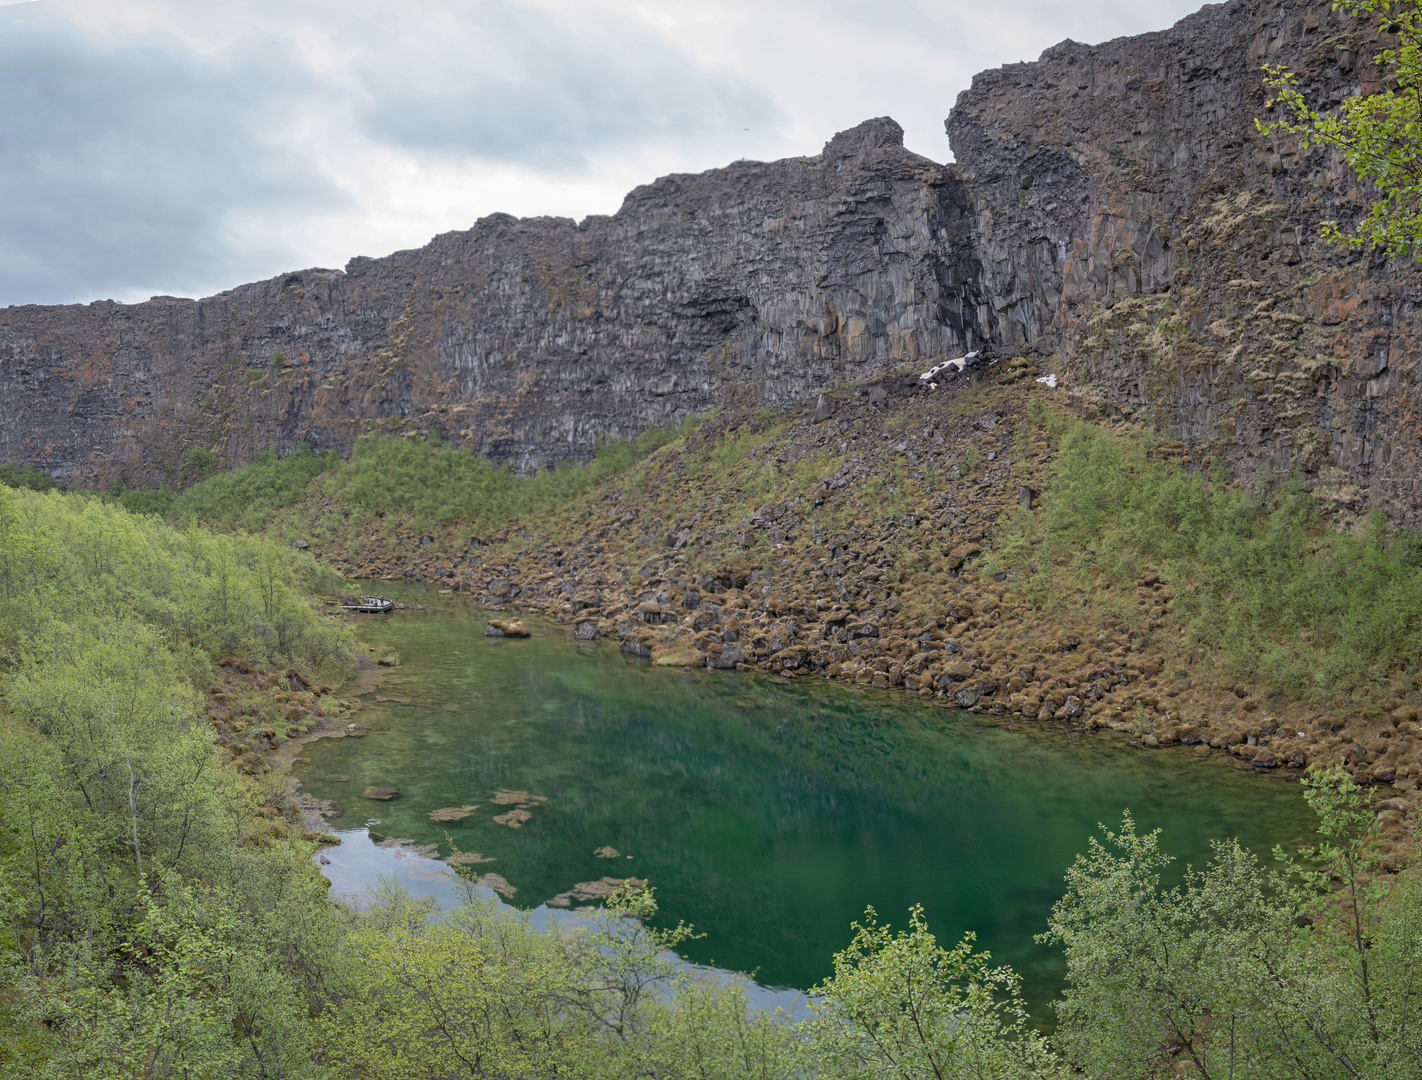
767	814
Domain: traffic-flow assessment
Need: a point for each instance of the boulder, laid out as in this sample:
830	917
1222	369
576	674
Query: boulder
506	628
380	794
678	654
726	659
957	672
586	631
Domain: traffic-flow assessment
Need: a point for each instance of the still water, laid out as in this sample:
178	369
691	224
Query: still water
767	814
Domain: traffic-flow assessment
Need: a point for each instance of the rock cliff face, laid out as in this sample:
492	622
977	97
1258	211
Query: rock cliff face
526	339
1132	217
1113	205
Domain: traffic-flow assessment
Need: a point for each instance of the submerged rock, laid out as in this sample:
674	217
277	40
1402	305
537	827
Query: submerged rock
601	889
452	813
498	883
467	858
506	797
381	794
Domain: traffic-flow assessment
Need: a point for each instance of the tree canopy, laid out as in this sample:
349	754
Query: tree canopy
1378	130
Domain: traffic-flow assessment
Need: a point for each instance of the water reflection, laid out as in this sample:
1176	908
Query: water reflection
768	815
359	864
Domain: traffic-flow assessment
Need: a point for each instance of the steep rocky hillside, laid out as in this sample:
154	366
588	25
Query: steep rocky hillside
1131	215
1112	205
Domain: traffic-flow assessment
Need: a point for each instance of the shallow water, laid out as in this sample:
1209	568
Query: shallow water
767	814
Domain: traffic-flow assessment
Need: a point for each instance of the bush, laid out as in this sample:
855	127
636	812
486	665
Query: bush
1243	971
1280	598
241	498
436	484
147	927
26	476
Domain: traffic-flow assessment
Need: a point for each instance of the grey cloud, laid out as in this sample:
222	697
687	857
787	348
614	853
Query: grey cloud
934	22
522	90
120	162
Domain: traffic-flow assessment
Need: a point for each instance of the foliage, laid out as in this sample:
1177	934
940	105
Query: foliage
240	498
79	562
1286	602
901	1007
1242	971
435	483
197	996
1379	134
26	476
148	926
482	994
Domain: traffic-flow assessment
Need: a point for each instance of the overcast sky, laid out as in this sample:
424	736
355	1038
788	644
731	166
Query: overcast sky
158	146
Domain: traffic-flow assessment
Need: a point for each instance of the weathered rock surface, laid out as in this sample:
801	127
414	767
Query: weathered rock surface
506	628
527	340
1112	205
1132	217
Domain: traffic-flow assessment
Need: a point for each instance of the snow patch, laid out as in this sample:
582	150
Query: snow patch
958	364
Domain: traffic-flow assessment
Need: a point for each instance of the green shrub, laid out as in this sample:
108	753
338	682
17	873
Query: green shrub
1277	595
240	498
434	483
26	476
146	926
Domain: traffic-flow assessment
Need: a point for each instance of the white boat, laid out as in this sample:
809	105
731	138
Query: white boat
373	605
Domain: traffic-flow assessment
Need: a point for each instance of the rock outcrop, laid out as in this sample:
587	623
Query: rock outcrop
528	340
1131	216
1112	205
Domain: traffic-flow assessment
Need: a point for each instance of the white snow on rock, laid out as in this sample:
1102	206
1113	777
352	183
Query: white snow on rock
1049	380
958	364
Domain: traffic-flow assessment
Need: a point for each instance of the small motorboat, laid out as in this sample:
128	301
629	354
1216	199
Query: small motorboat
371	605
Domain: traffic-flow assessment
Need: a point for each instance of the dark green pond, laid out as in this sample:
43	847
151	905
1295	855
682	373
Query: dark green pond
767	814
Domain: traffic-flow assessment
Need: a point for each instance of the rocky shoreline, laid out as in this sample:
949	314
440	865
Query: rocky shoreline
263	717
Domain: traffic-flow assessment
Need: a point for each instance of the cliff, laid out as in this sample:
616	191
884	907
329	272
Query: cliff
1130	213
528	340
1113	205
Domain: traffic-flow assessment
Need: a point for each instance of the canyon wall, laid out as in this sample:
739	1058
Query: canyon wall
527	340
1112	207
1132	216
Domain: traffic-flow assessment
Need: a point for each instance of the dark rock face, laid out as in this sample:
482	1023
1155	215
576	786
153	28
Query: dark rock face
1112	206
528	340
1133	219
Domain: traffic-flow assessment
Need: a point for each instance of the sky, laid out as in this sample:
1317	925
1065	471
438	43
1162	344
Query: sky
182	147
